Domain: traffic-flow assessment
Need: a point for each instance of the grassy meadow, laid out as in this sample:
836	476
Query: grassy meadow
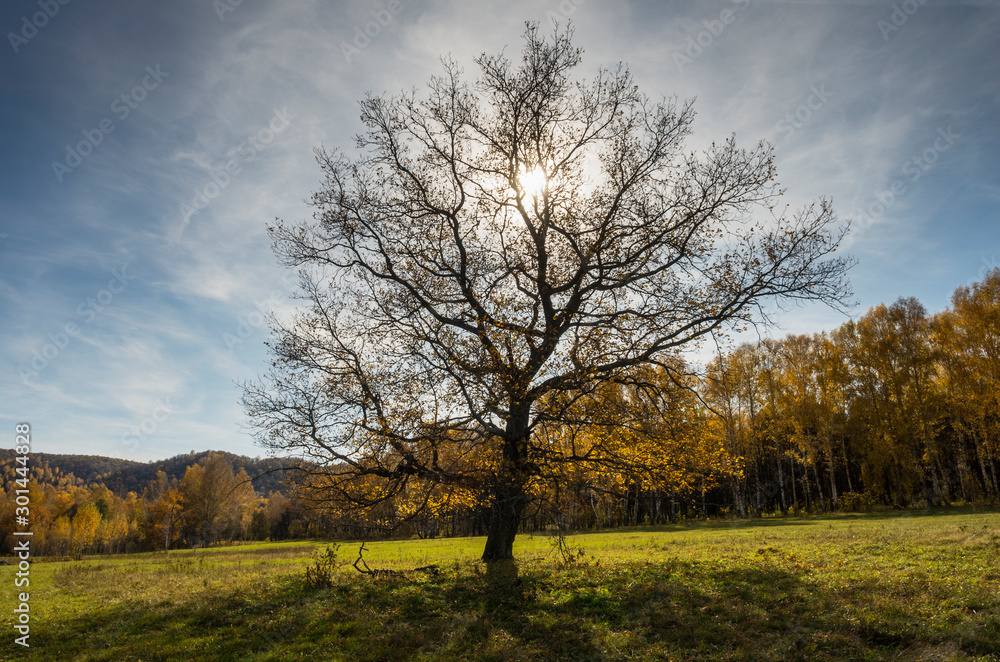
904	586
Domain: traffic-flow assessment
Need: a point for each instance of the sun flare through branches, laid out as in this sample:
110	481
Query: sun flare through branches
533	182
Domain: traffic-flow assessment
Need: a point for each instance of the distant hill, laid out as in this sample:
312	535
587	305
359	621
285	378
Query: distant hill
88	468
124	476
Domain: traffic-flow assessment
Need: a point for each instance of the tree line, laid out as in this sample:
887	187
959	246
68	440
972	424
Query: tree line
210	503
899	408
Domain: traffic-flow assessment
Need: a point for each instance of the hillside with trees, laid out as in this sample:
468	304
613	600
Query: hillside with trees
189	500
124	476
86	468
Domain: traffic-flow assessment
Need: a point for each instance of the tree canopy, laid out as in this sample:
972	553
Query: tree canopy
494	256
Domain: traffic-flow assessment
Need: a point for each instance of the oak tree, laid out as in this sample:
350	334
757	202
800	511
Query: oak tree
496	251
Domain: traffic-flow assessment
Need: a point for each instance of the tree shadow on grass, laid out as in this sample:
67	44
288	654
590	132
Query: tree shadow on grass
671	610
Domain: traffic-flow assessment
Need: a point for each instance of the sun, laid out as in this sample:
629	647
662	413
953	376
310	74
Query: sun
533	182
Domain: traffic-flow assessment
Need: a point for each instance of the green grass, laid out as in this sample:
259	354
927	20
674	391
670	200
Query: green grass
905	586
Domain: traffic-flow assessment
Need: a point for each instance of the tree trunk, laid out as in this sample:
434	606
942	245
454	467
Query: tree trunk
597	515
638	501
847	464
509	499
819	488
963	471
805	486
781	488
993	470
944	484
758	493
795	496
738	496
505	515
982	466
169	533
834	502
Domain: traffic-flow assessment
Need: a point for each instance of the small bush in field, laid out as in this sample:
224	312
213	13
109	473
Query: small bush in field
319	574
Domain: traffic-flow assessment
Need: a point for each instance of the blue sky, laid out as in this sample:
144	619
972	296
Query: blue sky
147	145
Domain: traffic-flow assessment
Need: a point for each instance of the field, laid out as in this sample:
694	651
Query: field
906	586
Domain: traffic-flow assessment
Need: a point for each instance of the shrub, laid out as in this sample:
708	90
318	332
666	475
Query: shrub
319	574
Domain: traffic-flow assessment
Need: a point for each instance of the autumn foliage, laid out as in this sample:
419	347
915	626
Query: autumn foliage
897	409
210	504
